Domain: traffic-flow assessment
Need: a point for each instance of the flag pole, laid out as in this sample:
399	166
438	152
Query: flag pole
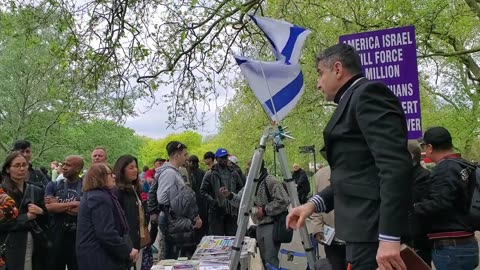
270	94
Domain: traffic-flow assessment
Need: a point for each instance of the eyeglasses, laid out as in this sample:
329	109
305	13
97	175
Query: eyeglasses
17	166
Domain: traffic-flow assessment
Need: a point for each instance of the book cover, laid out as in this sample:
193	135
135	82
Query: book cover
412	260
328	235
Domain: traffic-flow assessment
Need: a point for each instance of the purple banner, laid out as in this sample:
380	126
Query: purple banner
390	56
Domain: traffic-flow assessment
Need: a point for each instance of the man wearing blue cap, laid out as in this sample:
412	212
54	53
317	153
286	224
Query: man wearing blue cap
222	215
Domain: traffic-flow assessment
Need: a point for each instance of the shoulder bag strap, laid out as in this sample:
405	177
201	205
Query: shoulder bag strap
141	213
79	188
269	196
65	187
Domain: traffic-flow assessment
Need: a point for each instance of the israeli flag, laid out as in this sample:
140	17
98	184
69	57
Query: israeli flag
278	86
286	39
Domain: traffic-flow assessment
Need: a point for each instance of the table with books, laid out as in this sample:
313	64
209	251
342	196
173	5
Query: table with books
213	253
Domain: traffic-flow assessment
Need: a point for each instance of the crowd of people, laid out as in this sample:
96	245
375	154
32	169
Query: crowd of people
375	193
108	217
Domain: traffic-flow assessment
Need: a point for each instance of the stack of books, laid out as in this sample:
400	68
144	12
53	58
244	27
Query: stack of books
217	249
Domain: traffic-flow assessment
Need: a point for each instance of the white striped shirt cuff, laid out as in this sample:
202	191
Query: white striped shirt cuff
388	238
319	204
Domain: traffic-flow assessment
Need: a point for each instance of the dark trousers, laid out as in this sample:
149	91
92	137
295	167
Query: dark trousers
153	231
63	252
362	256
163	225
203	213
336	255
186	251
222	225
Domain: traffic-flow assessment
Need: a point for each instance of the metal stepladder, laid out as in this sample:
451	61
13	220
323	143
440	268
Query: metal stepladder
276	134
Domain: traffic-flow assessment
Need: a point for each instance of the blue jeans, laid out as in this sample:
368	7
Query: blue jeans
461	257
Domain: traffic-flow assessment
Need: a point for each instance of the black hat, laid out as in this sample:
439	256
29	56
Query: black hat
436	136
193	159
209	155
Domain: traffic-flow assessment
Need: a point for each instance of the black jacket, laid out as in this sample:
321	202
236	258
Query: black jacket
19	228
242	175
420	189
449	198
303	185
213	180
129	203
36	177
152	201
366	147
101	243
182	212
196	176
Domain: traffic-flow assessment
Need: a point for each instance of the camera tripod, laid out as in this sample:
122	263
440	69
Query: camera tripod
277	134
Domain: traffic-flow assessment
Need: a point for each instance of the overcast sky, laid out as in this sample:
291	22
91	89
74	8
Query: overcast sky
153	122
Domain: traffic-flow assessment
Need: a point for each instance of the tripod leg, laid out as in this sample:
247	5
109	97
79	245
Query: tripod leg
247	202
292	191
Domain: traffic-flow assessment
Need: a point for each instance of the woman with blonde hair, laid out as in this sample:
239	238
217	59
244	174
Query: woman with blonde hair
102	234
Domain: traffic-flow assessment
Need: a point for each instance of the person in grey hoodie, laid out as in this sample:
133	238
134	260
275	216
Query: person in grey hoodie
166	177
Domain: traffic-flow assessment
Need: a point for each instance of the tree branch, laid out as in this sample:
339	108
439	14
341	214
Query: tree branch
444	97
171	64
474	6
450	54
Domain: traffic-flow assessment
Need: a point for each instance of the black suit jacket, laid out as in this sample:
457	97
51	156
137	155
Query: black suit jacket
366	147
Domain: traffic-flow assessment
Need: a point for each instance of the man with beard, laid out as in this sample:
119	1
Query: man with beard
371	169
222	215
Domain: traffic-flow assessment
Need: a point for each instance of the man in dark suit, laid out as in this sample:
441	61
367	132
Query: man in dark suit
366	147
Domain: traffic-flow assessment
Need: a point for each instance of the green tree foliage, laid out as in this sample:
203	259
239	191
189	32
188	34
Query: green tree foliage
48	98
448	46
82	138
154	149
188	43
65	61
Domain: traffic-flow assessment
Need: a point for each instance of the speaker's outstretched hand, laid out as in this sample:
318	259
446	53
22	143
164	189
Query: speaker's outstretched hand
296	216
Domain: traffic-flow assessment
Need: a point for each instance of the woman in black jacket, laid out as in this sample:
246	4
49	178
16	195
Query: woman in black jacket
24	237
128	184
102	234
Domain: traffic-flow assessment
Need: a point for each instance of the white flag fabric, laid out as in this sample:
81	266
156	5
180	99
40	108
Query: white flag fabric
286	39
278	86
